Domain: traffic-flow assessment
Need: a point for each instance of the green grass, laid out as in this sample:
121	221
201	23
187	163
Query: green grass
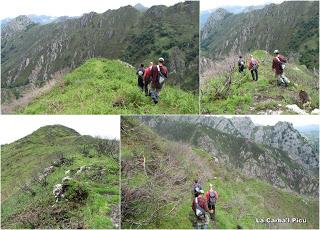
241	199
250	97
29	156
102	86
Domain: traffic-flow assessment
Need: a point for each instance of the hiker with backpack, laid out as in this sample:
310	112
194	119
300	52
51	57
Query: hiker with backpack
200	208
140	73
147	78
159	73
196	187
278	66
212	197
241	64
253	67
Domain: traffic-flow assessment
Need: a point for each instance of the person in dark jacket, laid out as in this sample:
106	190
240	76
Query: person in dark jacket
140	73
196	187
200	208
253	67
278	65
159	73
241	64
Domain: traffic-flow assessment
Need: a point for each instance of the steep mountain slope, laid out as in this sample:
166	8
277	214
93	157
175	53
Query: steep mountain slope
102	86
86	167
41	19
279	166
15	26
225	91
281	136
311	132
291	27
204	15
42	52
157	176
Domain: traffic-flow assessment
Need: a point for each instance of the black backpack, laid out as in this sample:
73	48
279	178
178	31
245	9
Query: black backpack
212	199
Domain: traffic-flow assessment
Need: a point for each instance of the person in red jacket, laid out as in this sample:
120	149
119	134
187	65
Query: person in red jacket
253	65
147	78
200	208
278	65
158	75
212	197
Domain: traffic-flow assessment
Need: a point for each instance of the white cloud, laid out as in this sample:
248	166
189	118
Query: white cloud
14	127
214	4
13	8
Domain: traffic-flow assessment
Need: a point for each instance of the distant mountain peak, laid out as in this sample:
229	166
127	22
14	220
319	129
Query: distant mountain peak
16	25
58	130
284	124
140	7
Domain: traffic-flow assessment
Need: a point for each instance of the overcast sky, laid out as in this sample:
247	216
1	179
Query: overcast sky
213	4
14	8
14	127
296	120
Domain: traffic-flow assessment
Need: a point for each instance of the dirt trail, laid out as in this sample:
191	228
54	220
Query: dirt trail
30	93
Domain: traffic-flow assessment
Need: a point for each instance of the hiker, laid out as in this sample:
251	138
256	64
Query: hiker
253	67
196	187
212	197
278	65
241	64
200	208
140	72
159	73
147	78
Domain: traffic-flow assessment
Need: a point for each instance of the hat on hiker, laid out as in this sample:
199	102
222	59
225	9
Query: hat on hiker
210	185
201	191
161	59
276	51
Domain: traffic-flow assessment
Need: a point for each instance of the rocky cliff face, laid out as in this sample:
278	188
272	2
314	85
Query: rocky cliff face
214	20
281	136
39	52
224	139
16	25
287	27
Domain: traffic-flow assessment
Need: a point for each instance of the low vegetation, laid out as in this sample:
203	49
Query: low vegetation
88	169
102	86
235	93
157	177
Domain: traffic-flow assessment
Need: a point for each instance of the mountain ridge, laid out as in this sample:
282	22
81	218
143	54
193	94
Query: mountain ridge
281	136
40	53
174	164
290	27
35	166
